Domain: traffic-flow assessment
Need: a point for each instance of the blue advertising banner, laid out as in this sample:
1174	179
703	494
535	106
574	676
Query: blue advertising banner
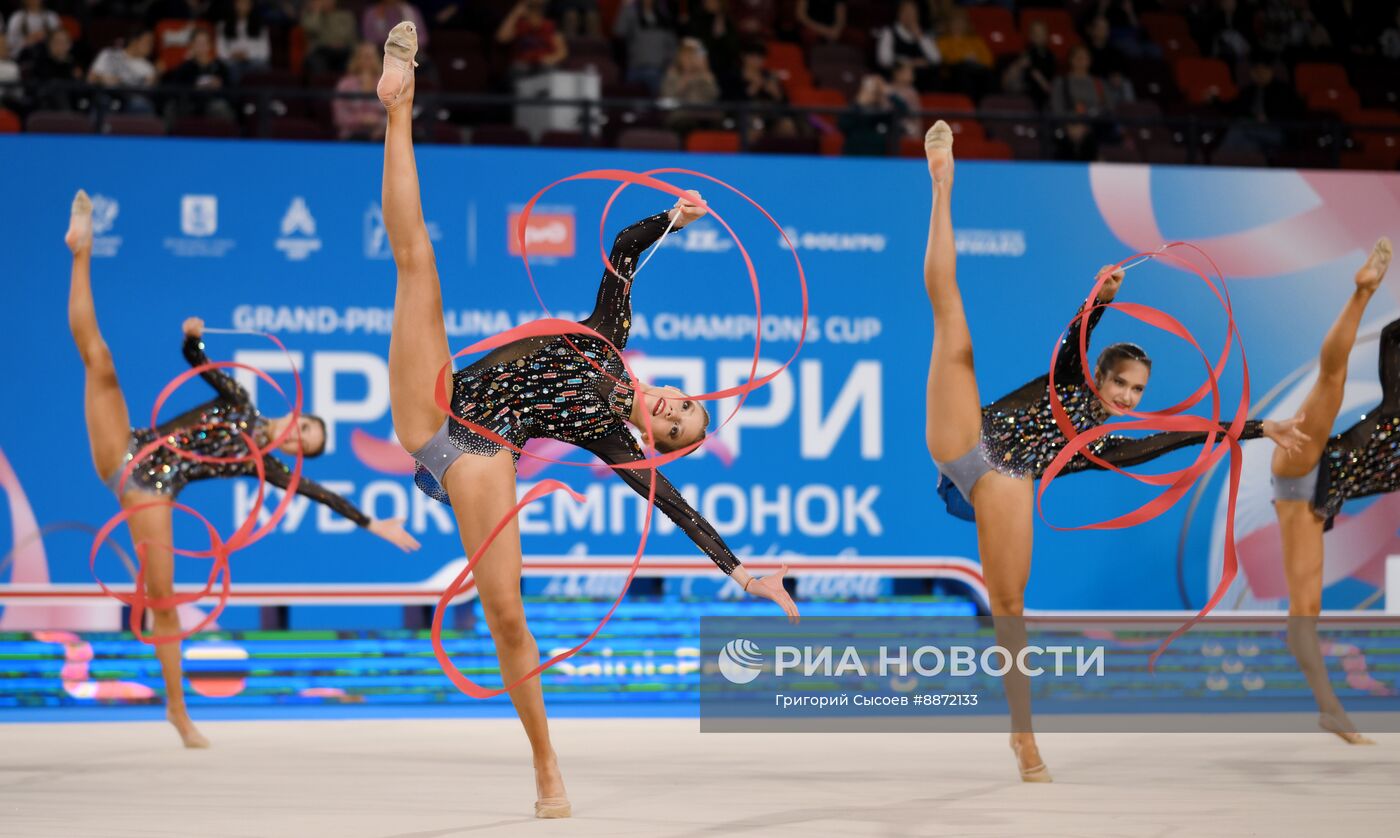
828	461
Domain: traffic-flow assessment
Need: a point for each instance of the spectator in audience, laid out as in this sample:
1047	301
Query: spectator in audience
1390	39
1281	24
1033	72
1261	104
1125	30
648	30
690	82
243	43
203	72
757	83
966	57
534	40
1079	91
9	70
380	17
31	25
822	20
906	41
577	17
52	60
331	33
1351	25
710	25
1224	31
1077	143
362	118
128	65
902	88
1108	62
873	120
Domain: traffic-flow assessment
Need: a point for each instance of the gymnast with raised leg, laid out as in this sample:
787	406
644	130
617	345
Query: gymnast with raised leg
574	390
989	457
1312	481
211	430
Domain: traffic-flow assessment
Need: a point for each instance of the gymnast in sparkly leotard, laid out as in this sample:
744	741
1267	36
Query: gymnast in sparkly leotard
213	429
543	387
1313	481
575	390
989	457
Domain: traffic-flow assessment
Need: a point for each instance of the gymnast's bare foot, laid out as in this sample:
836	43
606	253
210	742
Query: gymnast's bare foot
1370	276
938	145
79	235
1340	724
396	83
189	734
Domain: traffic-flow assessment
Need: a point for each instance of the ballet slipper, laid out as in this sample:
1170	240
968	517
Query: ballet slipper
938	145
1332	724
400	48
553	807
1036	773
1377	263
79	235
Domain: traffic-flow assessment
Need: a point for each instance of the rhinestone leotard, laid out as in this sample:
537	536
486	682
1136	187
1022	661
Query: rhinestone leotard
1364	459
214	429
553	387
1020	437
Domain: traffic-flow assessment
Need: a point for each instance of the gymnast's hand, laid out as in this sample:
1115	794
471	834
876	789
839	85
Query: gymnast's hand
1286	434
193	327
771	587
392	531
1111	285
688	209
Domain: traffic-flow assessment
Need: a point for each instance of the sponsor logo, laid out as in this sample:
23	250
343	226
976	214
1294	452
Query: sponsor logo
990	242
740	661
377	236
834	242
199	215
104	217
298	231
547	234
199	221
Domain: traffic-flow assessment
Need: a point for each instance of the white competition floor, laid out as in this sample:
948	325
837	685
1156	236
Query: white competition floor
426	778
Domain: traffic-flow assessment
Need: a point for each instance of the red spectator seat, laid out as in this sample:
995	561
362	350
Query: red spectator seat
296	128
1311	77
607	13
713	141
1171	32
985	150
296	48
997	28
58	122
9	123
1335	101
818	97
75	29
832	143
507	135
173	40
947	103
655	139
1063	38
787	61
914	147
564	139
1203	78
133	125
203	126
103	32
